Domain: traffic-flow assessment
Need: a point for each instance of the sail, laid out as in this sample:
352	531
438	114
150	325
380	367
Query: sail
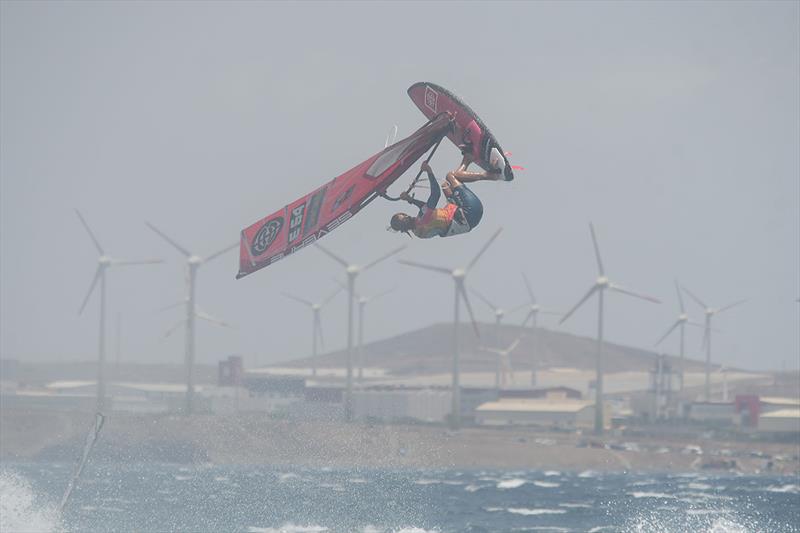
316	214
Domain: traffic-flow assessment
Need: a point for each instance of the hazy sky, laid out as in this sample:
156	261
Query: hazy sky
674	127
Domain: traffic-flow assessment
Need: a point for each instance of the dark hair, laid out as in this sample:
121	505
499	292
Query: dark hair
397	223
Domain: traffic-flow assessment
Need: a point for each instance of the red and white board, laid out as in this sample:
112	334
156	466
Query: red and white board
433	99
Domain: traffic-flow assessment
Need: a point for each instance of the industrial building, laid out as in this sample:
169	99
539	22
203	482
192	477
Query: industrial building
393	403
544	413
781	421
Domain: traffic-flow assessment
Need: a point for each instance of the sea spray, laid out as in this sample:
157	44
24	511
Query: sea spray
20	509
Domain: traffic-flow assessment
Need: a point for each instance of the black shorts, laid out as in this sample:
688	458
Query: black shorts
470	205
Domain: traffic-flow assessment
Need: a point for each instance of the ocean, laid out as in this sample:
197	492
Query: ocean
259	499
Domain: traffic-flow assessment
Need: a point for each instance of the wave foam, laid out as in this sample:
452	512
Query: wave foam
534	512
511	483
19	511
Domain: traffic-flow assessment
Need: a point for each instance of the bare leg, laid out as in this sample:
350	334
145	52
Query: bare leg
461	173
468	177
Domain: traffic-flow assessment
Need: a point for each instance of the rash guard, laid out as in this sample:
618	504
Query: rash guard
433	221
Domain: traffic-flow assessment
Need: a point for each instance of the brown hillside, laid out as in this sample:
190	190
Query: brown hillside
428	350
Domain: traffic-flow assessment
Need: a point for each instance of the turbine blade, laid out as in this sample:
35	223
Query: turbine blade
332	255
553	313
670	330
518	308
384	257
171	306
333	295
596	250
381	294
729	306
530	291
297	299
695	298
173	329
680	296
484	300
485	246
527	317
428	267
115	262
469	309
220	252
617	288
89	231
208	318
580	303
97	274
164	236
514	344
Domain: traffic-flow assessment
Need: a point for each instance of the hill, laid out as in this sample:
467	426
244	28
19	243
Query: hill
428	350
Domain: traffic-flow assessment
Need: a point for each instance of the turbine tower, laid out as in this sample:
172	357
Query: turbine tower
533	314
352	270
362	306
709	312
316	323
193	262
104	262
681	322
601	284
458	275
499	314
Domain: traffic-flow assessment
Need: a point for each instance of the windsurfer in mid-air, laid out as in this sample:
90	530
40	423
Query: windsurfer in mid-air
461	214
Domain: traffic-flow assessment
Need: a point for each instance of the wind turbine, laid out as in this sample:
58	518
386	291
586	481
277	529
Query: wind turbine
504	359
362	305
709	312
193	262
681	322
104	262
352	270
458	275
601	284
499	314
316	323
533	315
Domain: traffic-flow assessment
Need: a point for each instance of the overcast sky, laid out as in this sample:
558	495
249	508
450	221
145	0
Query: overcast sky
674	127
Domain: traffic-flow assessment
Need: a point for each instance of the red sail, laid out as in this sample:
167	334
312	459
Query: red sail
315	215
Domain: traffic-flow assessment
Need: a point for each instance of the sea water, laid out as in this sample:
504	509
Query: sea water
259	499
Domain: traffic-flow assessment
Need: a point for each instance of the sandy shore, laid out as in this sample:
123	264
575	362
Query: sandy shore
254	439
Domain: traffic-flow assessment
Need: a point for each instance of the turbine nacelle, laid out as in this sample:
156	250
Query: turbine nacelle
195	260
602	282
459	273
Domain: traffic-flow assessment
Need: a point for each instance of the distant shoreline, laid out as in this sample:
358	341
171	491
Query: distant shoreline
255	439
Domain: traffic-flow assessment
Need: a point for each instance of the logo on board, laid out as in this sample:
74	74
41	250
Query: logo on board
431	98
266	236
